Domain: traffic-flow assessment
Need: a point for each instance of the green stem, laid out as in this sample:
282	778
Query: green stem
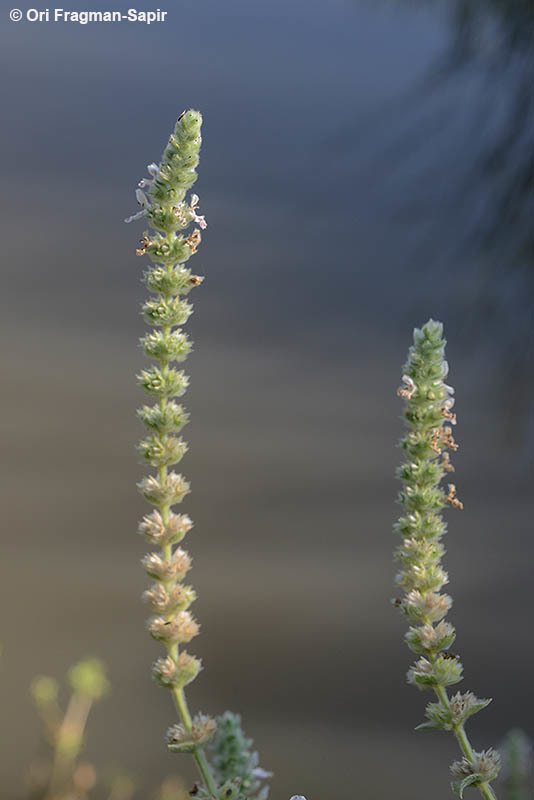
199	755
68	744
179	694
465	745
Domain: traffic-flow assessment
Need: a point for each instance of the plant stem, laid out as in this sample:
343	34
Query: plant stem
183	711
179	694
465	745
69	742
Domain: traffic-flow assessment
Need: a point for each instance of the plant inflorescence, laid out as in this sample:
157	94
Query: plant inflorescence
429	438
162	197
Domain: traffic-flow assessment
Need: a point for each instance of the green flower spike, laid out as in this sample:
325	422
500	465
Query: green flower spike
428	440
164	207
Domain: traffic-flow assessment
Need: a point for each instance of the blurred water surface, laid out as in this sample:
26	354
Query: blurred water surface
365	166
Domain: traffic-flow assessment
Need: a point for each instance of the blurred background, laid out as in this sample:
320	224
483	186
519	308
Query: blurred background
365	166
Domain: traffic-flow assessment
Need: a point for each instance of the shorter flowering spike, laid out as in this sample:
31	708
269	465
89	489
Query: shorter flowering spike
428	416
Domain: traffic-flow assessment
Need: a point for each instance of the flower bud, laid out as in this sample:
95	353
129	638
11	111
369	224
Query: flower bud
445	671
176	674
426	606
181	740
427	638
485	765
163	600
155	531
422	579
171	490
171	279
178	629
172	346
162	452
171	383
465	705
170	418
167	311
166	569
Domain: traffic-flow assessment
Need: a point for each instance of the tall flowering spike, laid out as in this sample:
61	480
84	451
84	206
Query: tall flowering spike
163	205
429	419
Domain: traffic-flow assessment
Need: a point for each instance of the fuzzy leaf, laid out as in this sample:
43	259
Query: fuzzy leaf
459	786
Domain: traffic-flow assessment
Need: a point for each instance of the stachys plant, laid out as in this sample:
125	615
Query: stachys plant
429	438
169	244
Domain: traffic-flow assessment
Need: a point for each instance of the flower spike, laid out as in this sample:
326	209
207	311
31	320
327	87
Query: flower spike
168	598
427	413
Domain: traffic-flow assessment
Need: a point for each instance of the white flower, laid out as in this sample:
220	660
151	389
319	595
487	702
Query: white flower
141	213
141	198
193	205
153	170
259	772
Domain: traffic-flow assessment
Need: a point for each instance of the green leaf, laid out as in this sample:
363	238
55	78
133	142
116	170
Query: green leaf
459	786
430	725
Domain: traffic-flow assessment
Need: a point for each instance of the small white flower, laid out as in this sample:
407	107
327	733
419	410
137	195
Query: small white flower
153	170
141	198
141	213
259	772
193	205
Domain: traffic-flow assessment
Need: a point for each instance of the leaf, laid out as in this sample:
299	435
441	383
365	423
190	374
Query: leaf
469	780
478	705
430	725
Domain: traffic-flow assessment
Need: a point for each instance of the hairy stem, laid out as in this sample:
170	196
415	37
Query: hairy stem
463	740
